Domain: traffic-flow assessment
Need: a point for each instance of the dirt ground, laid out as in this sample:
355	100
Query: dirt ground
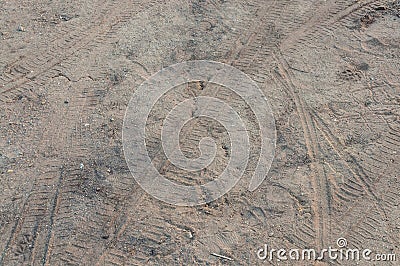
329	69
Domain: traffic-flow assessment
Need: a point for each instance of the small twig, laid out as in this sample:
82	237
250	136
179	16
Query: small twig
221	256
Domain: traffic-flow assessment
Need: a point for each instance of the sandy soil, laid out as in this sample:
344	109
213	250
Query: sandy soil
330	70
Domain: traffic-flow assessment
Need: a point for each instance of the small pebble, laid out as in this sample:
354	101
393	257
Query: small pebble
189	235
65	17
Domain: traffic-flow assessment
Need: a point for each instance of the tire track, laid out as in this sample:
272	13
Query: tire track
31	230
349	161
30	66
364	181
328	17
321	203
54	209
246	61
23	76
240	57
313	29
20	76
247	54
